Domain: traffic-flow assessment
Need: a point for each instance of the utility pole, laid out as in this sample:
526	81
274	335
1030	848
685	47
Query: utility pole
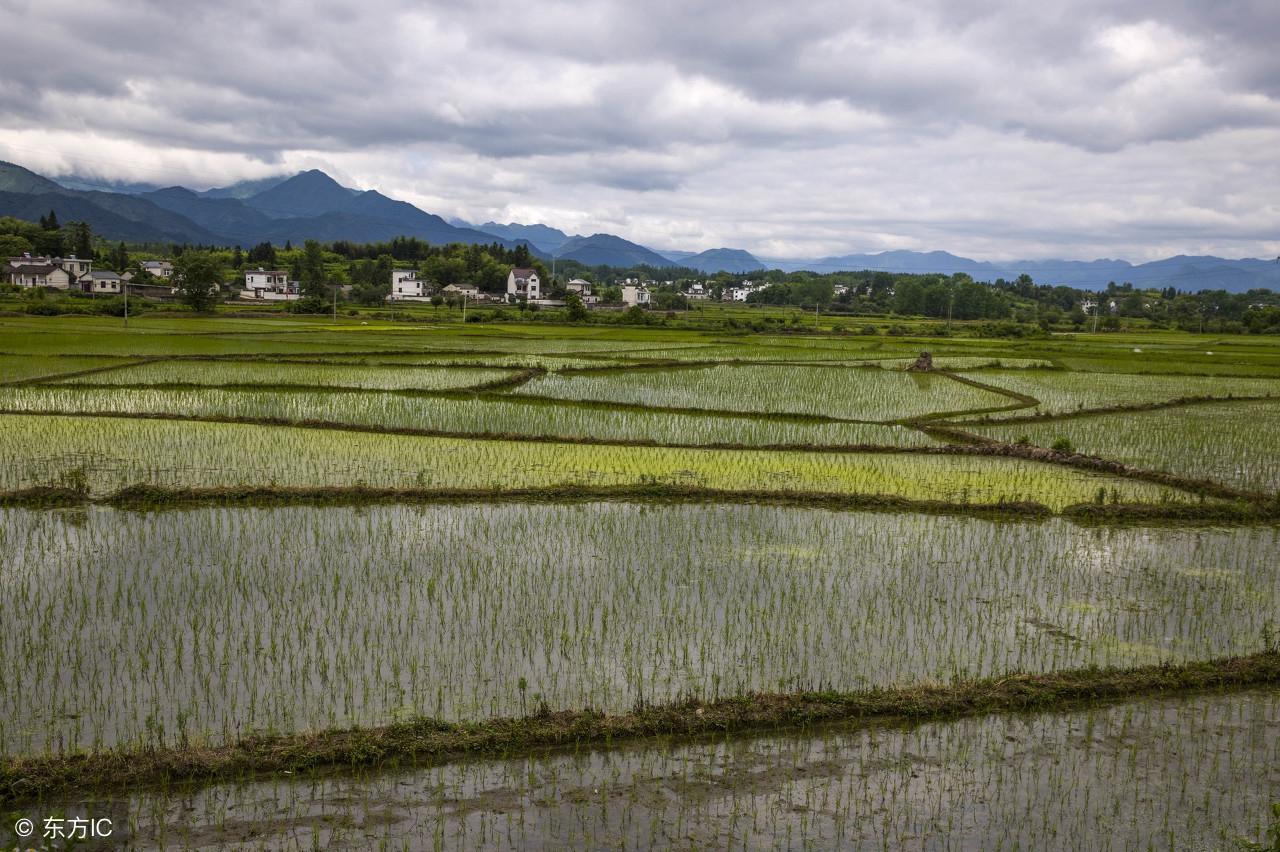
335	303
464	308
126	304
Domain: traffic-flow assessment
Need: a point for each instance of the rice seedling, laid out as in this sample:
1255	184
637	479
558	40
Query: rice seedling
1061	392
113	453
489	415
1237	443
1015	782
202	626
858	394
306	375
23	368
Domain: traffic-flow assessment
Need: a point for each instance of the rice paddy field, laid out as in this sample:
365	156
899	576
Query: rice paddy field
1062	392
237	530
398	377
1100	779
1230	442
599	605
830	391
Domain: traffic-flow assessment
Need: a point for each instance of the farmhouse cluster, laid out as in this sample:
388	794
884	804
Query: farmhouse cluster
73	273
524	285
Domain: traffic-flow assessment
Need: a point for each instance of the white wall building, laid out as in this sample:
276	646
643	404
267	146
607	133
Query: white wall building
159	268
270	285
522	284
635	294
262	279
102	281
36	274
469	290
405	284
582	288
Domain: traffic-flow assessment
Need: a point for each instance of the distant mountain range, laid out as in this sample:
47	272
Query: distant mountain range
309	205
1182	272
312	205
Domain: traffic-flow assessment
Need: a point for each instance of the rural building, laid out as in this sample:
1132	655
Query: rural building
405	284
582	288
635	294
40	269
74	266
159	268
265	279
102	281
40	275
697	291
270	285
523	284
470	291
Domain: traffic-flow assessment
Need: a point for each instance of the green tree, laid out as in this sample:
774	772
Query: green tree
197	274
312	280
574	309
118	259
12	245
79	237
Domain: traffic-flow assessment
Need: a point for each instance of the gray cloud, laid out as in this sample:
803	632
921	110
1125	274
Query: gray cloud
993	129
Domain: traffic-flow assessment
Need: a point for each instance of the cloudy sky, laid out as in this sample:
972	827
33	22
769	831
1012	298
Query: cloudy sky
995	130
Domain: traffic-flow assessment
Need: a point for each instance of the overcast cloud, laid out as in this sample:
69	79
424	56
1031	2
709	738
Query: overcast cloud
993	130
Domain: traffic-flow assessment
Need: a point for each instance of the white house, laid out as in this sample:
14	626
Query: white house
261	279
270	285
74	266
405	284
39	269
160	268
102	281
635	294
36	274
523	284
470	291
697	291
735	294
582	288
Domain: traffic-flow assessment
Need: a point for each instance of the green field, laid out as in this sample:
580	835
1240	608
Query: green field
223	529
115	453
1062	392
1232	442
480	416
294	375
868	394
444	609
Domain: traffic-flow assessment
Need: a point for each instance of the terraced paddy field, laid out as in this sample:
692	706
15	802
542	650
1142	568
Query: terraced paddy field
498	562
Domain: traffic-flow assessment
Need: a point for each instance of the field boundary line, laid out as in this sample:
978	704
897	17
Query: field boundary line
425	740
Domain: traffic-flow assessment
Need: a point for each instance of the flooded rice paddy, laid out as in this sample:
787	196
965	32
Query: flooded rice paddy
1187	773
204	625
